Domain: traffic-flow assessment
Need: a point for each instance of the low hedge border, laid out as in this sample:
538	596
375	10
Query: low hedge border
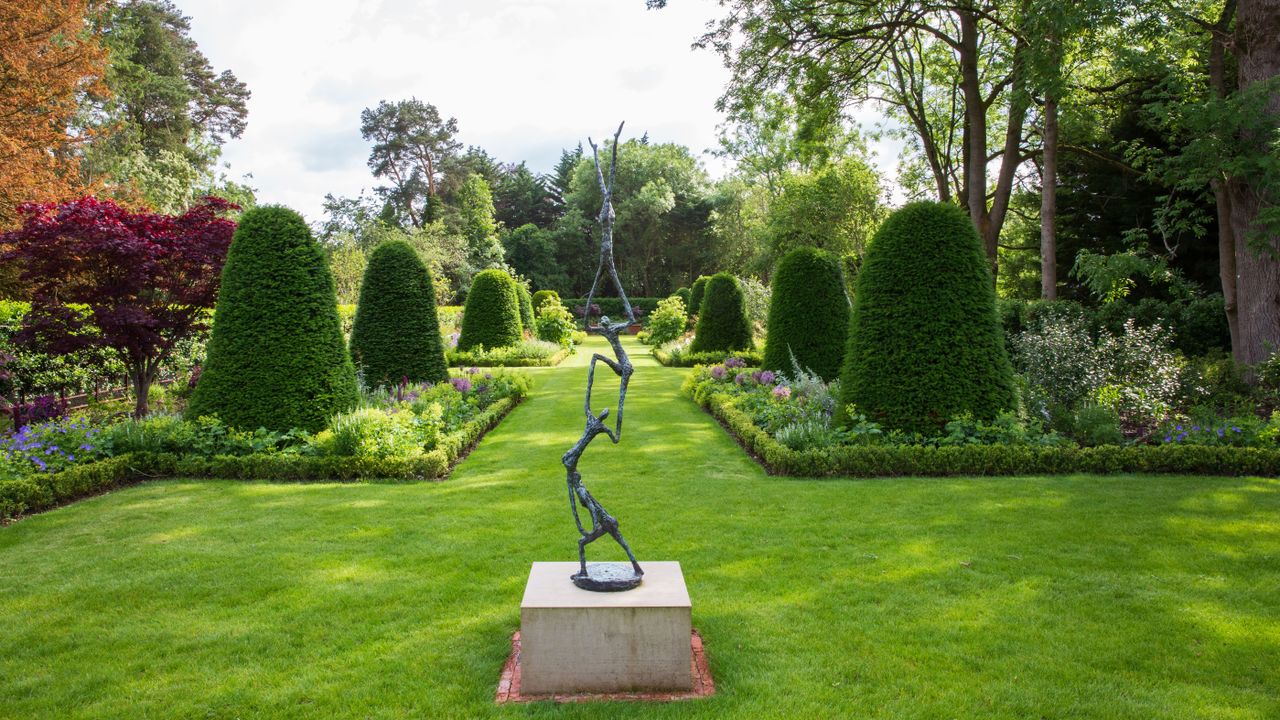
669	359
991	460
461	359
43	492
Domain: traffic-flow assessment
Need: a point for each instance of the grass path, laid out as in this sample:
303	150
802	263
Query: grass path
1075	597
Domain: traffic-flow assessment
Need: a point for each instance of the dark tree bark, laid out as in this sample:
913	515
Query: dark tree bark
1049	203
1218	84
1257	252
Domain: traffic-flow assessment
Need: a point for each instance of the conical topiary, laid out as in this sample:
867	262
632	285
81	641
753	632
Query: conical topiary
808	314
723	324
276	357
491	316
696	294
925	343
526	307
396	334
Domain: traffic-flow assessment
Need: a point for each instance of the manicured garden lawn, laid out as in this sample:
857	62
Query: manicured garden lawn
1063	597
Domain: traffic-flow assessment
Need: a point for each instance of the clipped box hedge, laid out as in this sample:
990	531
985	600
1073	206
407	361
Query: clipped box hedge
41	492
926	461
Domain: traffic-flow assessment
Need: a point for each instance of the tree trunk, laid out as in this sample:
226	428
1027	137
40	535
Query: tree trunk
1049	203
141	380
1222	199
975	156
1257	49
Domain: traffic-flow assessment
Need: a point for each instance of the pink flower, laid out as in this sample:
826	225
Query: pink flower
782	392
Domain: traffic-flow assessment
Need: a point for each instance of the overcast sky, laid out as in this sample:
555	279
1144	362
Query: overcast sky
524	78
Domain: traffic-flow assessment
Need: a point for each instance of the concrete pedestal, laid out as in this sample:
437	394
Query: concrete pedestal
575	641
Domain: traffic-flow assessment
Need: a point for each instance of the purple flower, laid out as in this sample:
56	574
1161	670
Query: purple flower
782	392
488	376
453	340
734	362
461	384
767	377
1235	429
740	378
718	372
473	370
1168	438
1220	433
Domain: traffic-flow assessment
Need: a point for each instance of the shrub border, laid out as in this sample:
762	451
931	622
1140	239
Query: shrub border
984	460
555	359
38	493
667	359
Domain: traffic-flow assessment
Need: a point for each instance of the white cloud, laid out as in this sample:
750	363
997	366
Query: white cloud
525	78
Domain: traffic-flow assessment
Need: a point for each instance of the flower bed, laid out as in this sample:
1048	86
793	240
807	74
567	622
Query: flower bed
413	432
530	353
677	354
787	425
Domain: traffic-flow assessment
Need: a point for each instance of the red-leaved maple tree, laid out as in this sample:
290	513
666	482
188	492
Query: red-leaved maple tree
102	276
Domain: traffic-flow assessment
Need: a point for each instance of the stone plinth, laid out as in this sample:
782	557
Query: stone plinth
577	641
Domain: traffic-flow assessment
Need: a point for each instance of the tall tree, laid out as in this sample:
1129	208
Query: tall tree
952	72
476	224
48	60
411	146
159	134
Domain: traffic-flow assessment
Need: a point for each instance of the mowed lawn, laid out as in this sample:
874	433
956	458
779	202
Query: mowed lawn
1060	597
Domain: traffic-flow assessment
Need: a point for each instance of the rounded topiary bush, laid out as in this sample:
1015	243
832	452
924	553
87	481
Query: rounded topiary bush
925	343
808	314
491	316
396	333
696	294
526	307
541	297
723	323
685	295
276	357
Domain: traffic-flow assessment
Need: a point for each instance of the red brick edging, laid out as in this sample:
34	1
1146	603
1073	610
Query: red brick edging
703	685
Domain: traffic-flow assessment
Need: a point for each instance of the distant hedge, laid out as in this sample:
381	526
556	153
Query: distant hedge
396	331
612	306
276	356
808	314
925	343
1199	325
492	314
526	307
723	323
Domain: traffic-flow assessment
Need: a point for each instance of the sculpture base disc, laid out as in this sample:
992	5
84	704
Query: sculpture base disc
608	577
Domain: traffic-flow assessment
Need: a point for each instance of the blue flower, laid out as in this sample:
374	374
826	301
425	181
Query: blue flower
1168	438
1178	428
1220	433
1235	429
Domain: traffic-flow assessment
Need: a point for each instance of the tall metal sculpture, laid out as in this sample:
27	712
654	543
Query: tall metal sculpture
602	577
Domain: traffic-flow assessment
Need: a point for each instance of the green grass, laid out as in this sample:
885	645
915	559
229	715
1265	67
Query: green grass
1065	597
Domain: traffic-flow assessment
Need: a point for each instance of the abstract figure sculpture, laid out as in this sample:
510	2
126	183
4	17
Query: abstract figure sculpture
602	577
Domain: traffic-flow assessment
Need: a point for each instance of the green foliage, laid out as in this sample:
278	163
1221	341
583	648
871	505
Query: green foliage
676	355
527	353
722	324
834	208
526	307
276	357
881	460
554	323
492	315
925	344
475	222
396	332
695	294
1094	425
542	296
668	322
809	314
686	295
531	252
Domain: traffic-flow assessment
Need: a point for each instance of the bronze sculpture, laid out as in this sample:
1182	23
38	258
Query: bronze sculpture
602	577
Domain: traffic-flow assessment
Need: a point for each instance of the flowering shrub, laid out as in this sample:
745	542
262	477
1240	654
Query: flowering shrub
48	447
526	353
668	322
1243	431
554	323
